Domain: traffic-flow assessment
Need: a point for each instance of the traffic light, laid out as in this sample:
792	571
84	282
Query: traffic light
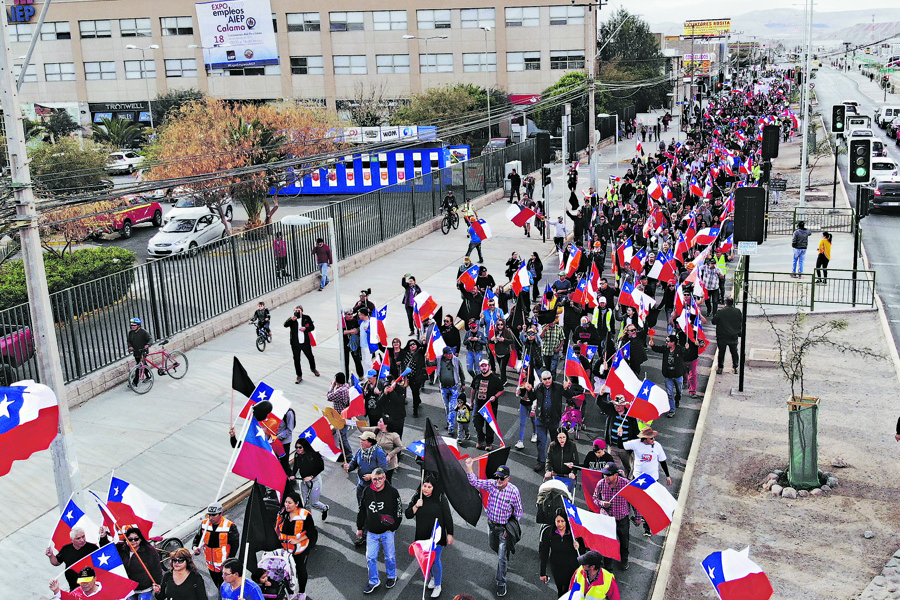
545	174
863	202
838	118
860	160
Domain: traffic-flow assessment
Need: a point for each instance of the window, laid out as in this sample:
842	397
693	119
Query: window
274	22
433	19
567	59
389	19
523	16
435	63
95	29
523	61
477	17
57	30
177	25
307	65
252	71
346	21
567	15
30	74
20	33
303	22
350	65
477	61
100	70
134	69
181	67
135	27
59	71
392	63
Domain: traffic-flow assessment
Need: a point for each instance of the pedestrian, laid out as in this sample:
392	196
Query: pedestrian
486	387
560	232
393	403
672	369
553	340
235	586
474	242
218	539
592	580
463	418
301	327
183	582
365	339
512	266
548	408
323	259
71	553
823	258
709	277
562	459
369	457
389	441
515	182
503	340
279	249
504	513
410	291
339	396
307	473
799	242
297	532
379	515
606	496
535	271
427	506
451	378
560	549
691	354
777	181
475	342
141	562
597	457
412	357
649	456
620	427
728	322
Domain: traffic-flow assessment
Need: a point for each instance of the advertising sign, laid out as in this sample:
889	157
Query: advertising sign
707	28
237	33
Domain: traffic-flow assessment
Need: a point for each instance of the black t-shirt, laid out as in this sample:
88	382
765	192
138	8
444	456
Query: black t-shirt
69	556
484	388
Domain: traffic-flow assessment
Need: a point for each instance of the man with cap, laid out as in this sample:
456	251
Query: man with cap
560	232
606	496
561	286
486	387
592	580
474	341
597	457
88	586
369	457
451	378
619	428
71	553
379	514
504	505
604	319
649	456
219	540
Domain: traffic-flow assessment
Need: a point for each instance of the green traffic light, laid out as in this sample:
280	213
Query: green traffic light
860	172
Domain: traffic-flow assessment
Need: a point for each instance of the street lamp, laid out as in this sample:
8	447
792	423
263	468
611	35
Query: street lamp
206	60
425	39
487	70
149	105
302	221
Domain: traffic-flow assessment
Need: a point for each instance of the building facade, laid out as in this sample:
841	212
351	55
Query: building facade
326	52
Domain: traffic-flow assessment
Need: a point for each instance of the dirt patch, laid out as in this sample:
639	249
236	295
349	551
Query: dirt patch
811	548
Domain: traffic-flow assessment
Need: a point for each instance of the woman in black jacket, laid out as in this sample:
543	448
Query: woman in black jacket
426	506
561	550
301	327
562	458
307	471
183	582
535	269
413	357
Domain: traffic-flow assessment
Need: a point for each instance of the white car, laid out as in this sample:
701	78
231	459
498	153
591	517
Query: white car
126	161
189	203
185	234
884	168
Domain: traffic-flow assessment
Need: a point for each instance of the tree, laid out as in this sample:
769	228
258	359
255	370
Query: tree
565	90
117	133
167	103
369	107
74	224
67	168
60	124
266	146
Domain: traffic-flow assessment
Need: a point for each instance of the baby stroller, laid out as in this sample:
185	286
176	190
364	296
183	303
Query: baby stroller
572	417
549	498
280	568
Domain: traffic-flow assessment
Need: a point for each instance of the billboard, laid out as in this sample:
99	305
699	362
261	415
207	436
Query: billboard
237	33
707	28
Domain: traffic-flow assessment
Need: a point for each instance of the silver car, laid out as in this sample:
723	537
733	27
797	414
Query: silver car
185	234
126	161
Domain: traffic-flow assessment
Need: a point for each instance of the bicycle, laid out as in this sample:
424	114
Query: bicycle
263	336
451	219
174	364
166	547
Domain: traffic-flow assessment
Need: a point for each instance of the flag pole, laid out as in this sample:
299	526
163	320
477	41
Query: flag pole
244	569
234	452
62	508
231	410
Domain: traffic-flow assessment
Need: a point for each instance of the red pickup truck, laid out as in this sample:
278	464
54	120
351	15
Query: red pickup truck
16	348
136	210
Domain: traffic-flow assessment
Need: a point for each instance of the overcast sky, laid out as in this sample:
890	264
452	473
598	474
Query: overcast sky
656	11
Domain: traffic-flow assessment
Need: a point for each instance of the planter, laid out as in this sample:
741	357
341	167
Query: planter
803	446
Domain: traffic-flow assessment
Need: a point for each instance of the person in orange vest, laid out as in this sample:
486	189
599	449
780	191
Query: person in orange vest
219	539
592	580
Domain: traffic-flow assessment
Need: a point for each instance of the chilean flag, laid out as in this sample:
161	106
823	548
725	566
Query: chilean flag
487	413
385	369
598	531
664	267
621	379
264	391
652	500
257	460
695	187
695	332
72	516
321	439
681	248
109	571
706	236
639	148
650	402
418	448
691	230
637	261
378	319
519	215
521	280
626	295
29	421
727	245
747	166
423	550
654	190
625	252
357	404
426	305
435	348
574	368
128	505
736	577
468	278
481	229
580	294
573	260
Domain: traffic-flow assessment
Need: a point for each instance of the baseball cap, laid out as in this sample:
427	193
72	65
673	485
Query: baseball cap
368	436
502	471
591	558
86	575
448	350
598	443
214	509
485	362
610	469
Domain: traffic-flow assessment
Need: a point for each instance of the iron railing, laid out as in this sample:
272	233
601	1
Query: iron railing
173	294
784	222
843	286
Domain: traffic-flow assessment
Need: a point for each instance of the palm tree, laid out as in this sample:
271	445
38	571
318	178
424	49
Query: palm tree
267	148
117	133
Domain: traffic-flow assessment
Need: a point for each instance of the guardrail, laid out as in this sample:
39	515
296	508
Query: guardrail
784	222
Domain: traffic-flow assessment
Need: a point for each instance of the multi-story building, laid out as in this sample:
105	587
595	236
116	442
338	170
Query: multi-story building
83	62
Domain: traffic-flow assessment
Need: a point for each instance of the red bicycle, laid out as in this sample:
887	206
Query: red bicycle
174	364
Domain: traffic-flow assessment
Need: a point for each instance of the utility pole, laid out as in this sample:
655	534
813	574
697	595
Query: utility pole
590	61
65	466
804	173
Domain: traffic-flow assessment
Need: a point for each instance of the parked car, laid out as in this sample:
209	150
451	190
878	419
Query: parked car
496	144
126	161
883	168
16	348
184	235
883	193
136	211
189	203
885	114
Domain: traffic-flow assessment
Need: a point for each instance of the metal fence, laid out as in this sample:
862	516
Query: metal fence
784	222
174	294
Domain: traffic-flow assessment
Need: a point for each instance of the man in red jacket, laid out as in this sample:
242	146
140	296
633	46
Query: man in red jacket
323	258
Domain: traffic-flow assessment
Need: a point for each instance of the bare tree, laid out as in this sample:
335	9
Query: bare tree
369	106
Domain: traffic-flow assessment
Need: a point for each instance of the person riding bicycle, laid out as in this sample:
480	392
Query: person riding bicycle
449	203
138	340
261	317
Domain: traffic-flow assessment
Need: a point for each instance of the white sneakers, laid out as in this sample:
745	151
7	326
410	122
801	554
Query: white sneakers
520	445
436	591
431	584
533	438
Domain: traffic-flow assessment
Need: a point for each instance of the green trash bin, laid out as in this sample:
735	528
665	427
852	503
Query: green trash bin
803	421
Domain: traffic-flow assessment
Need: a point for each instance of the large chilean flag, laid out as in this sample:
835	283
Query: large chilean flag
109	571
652	501
736	577
256	459
131	506
29	420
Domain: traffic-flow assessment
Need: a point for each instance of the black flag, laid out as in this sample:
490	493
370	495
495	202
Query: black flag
439	459
259	527
240	381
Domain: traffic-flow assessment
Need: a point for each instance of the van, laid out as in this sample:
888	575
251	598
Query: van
886	114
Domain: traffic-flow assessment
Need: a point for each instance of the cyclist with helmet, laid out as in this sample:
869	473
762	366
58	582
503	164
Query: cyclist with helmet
138	340
449	203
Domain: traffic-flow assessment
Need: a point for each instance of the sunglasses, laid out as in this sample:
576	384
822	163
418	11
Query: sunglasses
179	560
134	539
379	478
500	478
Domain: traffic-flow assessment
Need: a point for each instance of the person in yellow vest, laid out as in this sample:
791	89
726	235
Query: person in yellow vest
219	540
298	534
591	580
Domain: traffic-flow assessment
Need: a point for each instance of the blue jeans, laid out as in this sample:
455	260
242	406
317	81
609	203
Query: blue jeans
472	360
550	362
343	442
524	411
437	569
497	541
541	432
671	386
799	257
385	541
141	596
323	268
449	395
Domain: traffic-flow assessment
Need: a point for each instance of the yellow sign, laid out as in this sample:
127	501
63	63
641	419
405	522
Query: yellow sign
711	28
